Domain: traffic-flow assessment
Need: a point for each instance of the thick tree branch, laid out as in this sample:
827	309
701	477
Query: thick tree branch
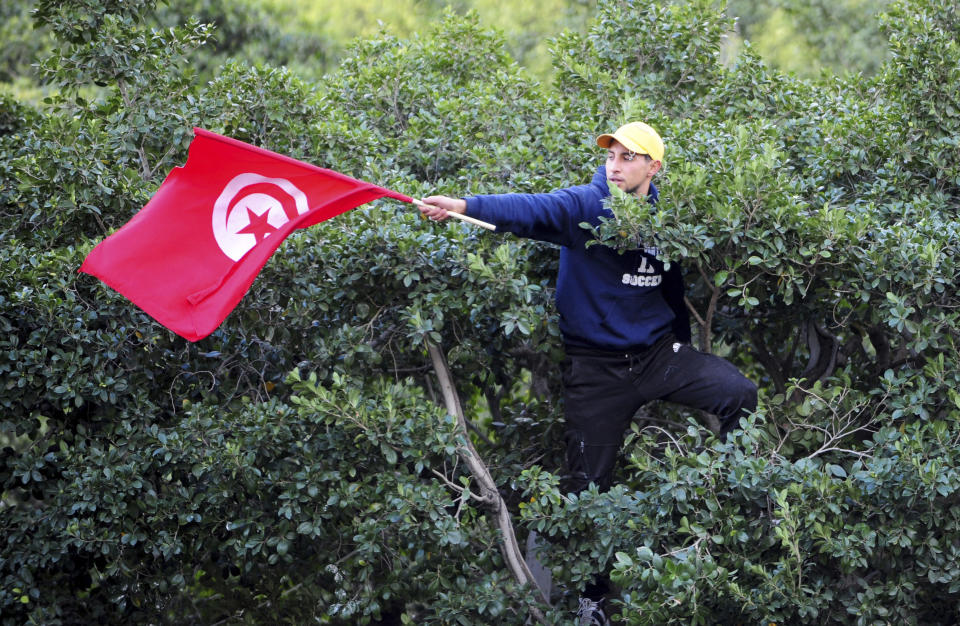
823	347
706	334
481	474
770	364
882	347
493	401
706	321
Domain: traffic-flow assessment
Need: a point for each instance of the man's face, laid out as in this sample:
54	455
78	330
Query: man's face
628	170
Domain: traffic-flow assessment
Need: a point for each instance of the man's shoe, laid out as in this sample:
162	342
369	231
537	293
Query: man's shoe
590	613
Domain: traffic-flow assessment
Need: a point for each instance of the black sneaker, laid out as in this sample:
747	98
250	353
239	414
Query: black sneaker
591	613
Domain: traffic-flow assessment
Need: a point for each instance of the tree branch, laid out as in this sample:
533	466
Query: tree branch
762	352
882	347
694	312
706	322
147	171
823	347
488	487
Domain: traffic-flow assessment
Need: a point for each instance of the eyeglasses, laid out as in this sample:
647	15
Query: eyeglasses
628	156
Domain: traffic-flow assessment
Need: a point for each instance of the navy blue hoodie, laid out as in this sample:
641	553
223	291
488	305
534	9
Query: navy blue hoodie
606	300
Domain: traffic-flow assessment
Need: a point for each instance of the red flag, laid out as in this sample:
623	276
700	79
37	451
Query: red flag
189	256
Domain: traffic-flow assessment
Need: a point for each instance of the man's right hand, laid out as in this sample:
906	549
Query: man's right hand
439	207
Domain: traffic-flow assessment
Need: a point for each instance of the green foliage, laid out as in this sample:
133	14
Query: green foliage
814	36
527	27
86	169
21	45
294	465
667	54
738	533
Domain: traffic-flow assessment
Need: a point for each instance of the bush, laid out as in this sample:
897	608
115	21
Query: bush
295	465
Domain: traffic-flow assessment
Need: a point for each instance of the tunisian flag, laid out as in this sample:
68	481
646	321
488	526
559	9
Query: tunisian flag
189	256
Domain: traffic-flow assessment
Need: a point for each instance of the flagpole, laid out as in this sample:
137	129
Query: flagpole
460	216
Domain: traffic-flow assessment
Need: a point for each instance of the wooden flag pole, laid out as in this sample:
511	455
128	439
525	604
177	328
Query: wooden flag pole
459	216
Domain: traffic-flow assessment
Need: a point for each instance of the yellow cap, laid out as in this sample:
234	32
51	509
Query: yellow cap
636	137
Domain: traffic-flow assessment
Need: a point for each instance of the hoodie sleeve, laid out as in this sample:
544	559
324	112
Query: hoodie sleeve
554	217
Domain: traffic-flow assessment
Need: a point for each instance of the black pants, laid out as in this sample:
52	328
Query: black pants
603	390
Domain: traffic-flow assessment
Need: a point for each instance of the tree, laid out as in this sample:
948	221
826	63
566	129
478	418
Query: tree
813	36
302	462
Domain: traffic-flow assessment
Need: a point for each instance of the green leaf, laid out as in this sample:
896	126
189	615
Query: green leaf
837	471
389	454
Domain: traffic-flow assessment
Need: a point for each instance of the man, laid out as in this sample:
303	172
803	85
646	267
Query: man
622	316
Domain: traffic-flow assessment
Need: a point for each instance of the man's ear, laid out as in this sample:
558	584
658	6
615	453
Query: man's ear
655	167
